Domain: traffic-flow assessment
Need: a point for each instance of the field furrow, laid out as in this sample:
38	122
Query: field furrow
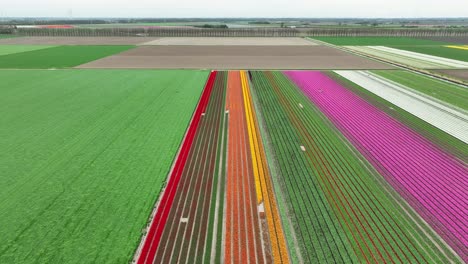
155	233
266	199
243	237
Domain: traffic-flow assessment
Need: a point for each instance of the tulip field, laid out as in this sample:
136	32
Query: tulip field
342	164
316	169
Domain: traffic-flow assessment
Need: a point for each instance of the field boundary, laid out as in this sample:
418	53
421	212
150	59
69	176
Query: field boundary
170	176
239	32
398	65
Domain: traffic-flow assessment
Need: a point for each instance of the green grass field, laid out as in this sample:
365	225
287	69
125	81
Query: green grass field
58	57
84	155
378	41
447	92
7	36
12	49
440	51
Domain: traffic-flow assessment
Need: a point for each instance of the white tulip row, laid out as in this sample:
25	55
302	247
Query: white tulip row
448	119
410	58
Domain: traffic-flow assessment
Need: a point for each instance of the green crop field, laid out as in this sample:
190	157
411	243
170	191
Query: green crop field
84	155
6	36
12	49
58	57
450	93
378	41
440	51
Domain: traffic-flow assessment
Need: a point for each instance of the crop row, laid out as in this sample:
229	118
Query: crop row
342	209
450	120
243	240
84	156
443	140
265	191
158	225
196	221
429	179
414	59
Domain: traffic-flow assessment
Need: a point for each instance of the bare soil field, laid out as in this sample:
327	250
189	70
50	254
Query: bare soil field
459	74
219	41
456	39
75	40
236	57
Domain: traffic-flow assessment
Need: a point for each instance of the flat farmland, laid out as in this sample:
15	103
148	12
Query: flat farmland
318	153
6	36
380	41
76	40
413	52
84	156
12	49
459	74
236	57
58	57
440	51
444	91
230	41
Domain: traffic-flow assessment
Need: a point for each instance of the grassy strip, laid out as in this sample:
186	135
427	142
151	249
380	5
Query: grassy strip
59	57
440	51
444	91
397	58
4	36
378	41
12	49
94	148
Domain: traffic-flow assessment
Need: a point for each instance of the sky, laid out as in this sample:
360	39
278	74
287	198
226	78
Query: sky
235	8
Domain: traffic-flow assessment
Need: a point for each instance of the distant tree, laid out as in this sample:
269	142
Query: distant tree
212	26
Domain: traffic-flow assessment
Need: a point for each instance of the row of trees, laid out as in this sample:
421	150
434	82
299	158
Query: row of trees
239	32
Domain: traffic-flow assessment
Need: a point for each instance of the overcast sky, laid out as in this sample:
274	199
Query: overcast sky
234	8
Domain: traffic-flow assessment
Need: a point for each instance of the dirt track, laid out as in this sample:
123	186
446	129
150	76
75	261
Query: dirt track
230	41
75	40
459	74
236	57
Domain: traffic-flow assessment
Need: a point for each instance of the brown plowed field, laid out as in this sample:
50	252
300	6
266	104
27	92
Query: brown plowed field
230	41
75	40
236	57
459	74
